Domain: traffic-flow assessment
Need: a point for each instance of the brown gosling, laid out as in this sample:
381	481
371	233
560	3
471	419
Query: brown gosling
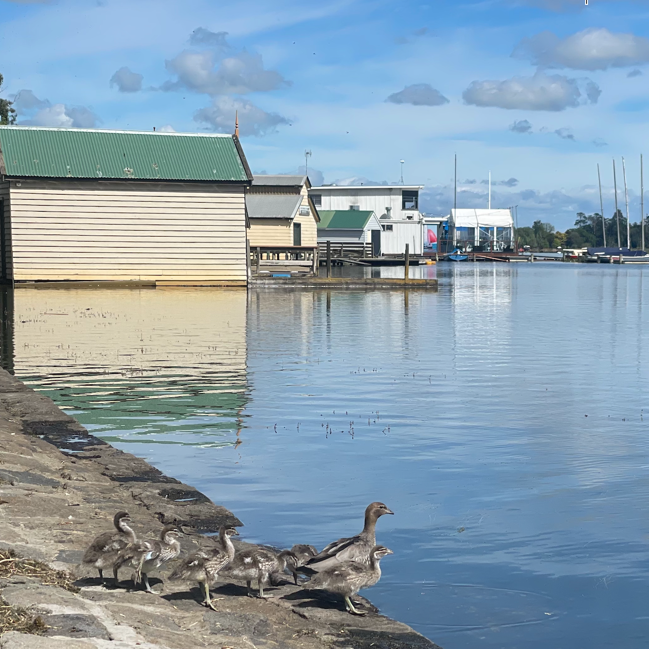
104	550
348	578
259	564
147	555
204	566
356	548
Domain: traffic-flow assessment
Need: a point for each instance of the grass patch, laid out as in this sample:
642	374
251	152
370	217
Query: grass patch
12	566
14	618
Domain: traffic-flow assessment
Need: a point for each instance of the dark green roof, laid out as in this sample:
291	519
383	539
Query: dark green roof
344	219
30	152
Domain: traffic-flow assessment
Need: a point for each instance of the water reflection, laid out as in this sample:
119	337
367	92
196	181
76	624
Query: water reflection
138	366
501	418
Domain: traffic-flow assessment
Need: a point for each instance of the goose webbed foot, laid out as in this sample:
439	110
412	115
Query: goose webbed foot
251	592
207	601
350	607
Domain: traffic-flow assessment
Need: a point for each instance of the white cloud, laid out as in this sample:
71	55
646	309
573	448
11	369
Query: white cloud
126	80
220	117
204	37
540	92
565	134
239	74
33	111
418	94
521	126
590	49
167	128
26	100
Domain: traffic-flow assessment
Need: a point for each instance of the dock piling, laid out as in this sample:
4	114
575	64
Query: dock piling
407	265
258	259
328	258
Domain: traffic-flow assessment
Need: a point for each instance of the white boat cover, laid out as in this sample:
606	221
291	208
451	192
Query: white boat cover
466	218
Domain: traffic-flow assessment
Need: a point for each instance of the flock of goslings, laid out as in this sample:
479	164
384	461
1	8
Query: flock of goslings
343	567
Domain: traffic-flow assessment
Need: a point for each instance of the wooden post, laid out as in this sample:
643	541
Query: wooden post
407	258
328	258
315	262
258	259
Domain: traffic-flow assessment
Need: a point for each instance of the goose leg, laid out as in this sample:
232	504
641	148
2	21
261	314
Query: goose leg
147	587
101	574
115	575
250	591
263	580
208	601
350	607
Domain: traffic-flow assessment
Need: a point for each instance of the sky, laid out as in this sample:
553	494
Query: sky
537	92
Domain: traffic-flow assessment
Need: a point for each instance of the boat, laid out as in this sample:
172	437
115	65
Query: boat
457	255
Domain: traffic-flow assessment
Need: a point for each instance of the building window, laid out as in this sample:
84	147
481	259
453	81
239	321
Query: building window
317	199
409	199
304	210
387	227
355	207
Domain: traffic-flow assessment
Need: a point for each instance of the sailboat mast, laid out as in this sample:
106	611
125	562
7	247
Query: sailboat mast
601	206
626	200
641	201
617	212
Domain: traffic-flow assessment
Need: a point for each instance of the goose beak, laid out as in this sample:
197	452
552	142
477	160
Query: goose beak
388	511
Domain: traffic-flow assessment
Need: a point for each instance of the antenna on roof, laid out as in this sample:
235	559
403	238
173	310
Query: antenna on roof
307	154
402	161
236	123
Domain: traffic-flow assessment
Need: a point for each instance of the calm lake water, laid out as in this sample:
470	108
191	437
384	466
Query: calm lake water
502	419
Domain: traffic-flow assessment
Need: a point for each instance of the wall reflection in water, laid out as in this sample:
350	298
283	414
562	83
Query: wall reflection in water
165	366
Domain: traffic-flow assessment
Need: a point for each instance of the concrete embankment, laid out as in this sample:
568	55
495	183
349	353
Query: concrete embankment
60	487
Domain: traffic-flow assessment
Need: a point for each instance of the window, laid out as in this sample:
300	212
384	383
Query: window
297	234
387	227
355	207
304	210
317	199
409	199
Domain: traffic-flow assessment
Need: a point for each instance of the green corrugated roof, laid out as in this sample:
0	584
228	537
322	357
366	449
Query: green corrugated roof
344	219
75	153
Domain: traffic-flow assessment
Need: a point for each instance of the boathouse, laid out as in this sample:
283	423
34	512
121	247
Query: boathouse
481	230
283	224
161	208
396	206
351	232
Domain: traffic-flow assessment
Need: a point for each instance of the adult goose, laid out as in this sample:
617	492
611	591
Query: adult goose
355	548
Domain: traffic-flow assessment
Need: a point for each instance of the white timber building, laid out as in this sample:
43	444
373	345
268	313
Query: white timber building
161	208
396	206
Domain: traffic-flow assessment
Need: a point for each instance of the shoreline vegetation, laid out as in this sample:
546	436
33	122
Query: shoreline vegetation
586	233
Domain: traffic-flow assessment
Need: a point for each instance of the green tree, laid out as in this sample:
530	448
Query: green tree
7	111
525	237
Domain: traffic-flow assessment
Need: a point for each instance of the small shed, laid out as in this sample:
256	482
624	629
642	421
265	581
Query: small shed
481	229
353	231
283	222
165	208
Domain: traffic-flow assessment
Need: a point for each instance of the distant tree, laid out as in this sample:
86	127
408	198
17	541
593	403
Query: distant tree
525	237
7	111
559	239
544	234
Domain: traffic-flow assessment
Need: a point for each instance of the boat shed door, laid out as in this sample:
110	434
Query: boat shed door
376	243
297	234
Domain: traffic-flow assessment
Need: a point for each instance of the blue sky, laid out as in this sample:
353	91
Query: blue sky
537	91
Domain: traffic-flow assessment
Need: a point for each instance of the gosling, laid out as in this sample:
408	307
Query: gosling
204	566
348	578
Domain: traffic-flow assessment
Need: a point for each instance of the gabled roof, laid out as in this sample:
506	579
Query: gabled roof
273	206
34	152
283	180
344	219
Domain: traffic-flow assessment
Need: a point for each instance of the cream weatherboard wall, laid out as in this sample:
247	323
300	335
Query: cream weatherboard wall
279	232
94	230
